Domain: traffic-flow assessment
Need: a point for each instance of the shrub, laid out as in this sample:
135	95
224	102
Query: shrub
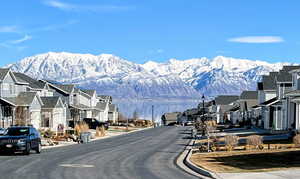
231	141
81	127
296	140
100	131
255	140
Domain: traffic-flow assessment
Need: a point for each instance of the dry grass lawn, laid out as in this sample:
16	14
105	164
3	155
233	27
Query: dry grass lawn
248	161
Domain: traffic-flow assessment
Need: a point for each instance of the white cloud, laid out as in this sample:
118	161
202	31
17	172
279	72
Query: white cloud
257	39
14	43
60	5
8	29
25	38
79	8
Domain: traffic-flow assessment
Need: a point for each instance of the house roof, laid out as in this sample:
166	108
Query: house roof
32	82
3	73
268	82
66	88
50	102
284	76
269	101
249	95
112	108
225	99
234	108
89	92
80	106
23	99
290	68
105	97
293	93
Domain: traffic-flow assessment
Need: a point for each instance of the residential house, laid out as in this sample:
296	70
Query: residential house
112	113
222	104
53	114
170	118
18	105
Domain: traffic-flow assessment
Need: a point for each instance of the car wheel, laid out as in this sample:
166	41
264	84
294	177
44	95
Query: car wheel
39	148
27	150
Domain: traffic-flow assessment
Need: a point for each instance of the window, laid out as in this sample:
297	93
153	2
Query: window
5	86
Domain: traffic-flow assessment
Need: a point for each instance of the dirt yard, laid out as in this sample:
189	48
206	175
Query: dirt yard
248	161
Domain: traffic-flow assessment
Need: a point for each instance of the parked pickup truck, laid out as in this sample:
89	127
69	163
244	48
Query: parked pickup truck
20	138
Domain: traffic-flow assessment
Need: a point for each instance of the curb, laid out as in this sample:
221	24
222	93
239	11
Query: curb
105	137
192	168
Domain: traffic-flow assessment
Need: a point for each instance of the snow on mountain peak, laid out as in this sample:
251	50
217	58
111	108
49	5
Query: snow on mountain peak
113	75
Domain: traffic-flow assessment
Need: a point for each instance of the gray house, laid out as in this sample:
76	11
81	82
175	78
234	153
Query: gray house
18	105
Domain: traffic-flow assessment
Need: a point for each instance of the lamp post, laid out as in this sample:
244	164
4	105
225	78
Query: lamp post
203	98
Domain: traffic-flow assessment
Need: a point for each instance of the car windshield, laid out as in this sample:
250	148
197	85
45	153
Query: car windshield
17	131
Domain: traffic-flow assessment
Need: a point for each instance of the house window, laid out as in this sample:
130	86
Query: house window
5	86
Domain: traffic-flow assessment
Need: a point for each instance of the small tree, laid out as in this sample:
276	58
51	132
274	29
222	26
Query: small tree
296	140
255	140
231	141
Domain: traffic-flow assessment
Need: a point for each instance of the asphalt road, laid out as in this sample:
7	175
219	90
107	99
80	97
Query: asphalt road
147	154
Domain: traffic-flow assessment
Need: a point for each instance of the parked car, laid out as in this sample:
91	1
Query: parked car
2	131
21	138
94	123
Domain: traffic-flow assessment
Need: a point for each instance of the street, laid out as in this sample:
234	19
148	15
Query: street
147	154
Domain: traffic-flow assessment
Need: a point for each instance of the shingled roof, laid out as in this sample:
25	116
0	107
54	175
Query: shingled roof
284	77
101	106
225	99
89	92
50	102
32	82
268	82
112	108
249	95
290	68
3	73
23	99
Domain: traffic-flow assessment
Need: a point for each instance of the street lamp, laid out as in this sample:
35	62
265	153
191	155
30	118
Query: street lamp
203	98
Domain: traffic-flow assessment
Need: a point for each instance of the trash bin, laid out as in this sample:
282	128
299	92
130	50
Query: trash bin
85	137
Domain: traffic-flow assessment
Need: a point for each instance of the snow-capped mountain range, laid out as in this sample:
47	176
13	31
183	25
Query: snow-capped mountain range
181	79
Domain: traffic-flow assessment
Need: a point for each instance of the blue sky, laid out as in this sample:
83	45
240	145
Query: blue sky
140	30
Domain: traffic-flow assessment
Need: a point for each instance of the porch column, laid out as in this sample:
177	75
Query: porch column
297	116
13	115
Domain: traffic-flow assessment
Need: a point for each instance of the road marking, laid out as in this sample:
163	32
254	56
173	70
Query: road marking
77	165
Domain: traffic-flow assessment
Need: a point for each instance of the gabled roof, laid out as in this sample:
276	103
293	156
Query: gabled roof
249	95
3	73
89	92
290	68
112	108
66	88
268	82
269	101
50	102
284	77
225	99
23	99
101	106
32	82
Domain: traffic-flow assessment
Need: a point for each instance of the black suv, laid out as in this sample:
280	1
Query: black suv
21	138
94	123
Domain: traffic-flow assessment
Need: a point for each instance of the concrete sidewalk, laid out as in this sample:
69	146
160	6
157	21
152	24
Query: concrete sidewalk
282	174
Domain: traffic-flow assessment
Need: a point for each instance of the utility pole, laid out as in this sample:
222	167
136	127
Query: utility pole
153	115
